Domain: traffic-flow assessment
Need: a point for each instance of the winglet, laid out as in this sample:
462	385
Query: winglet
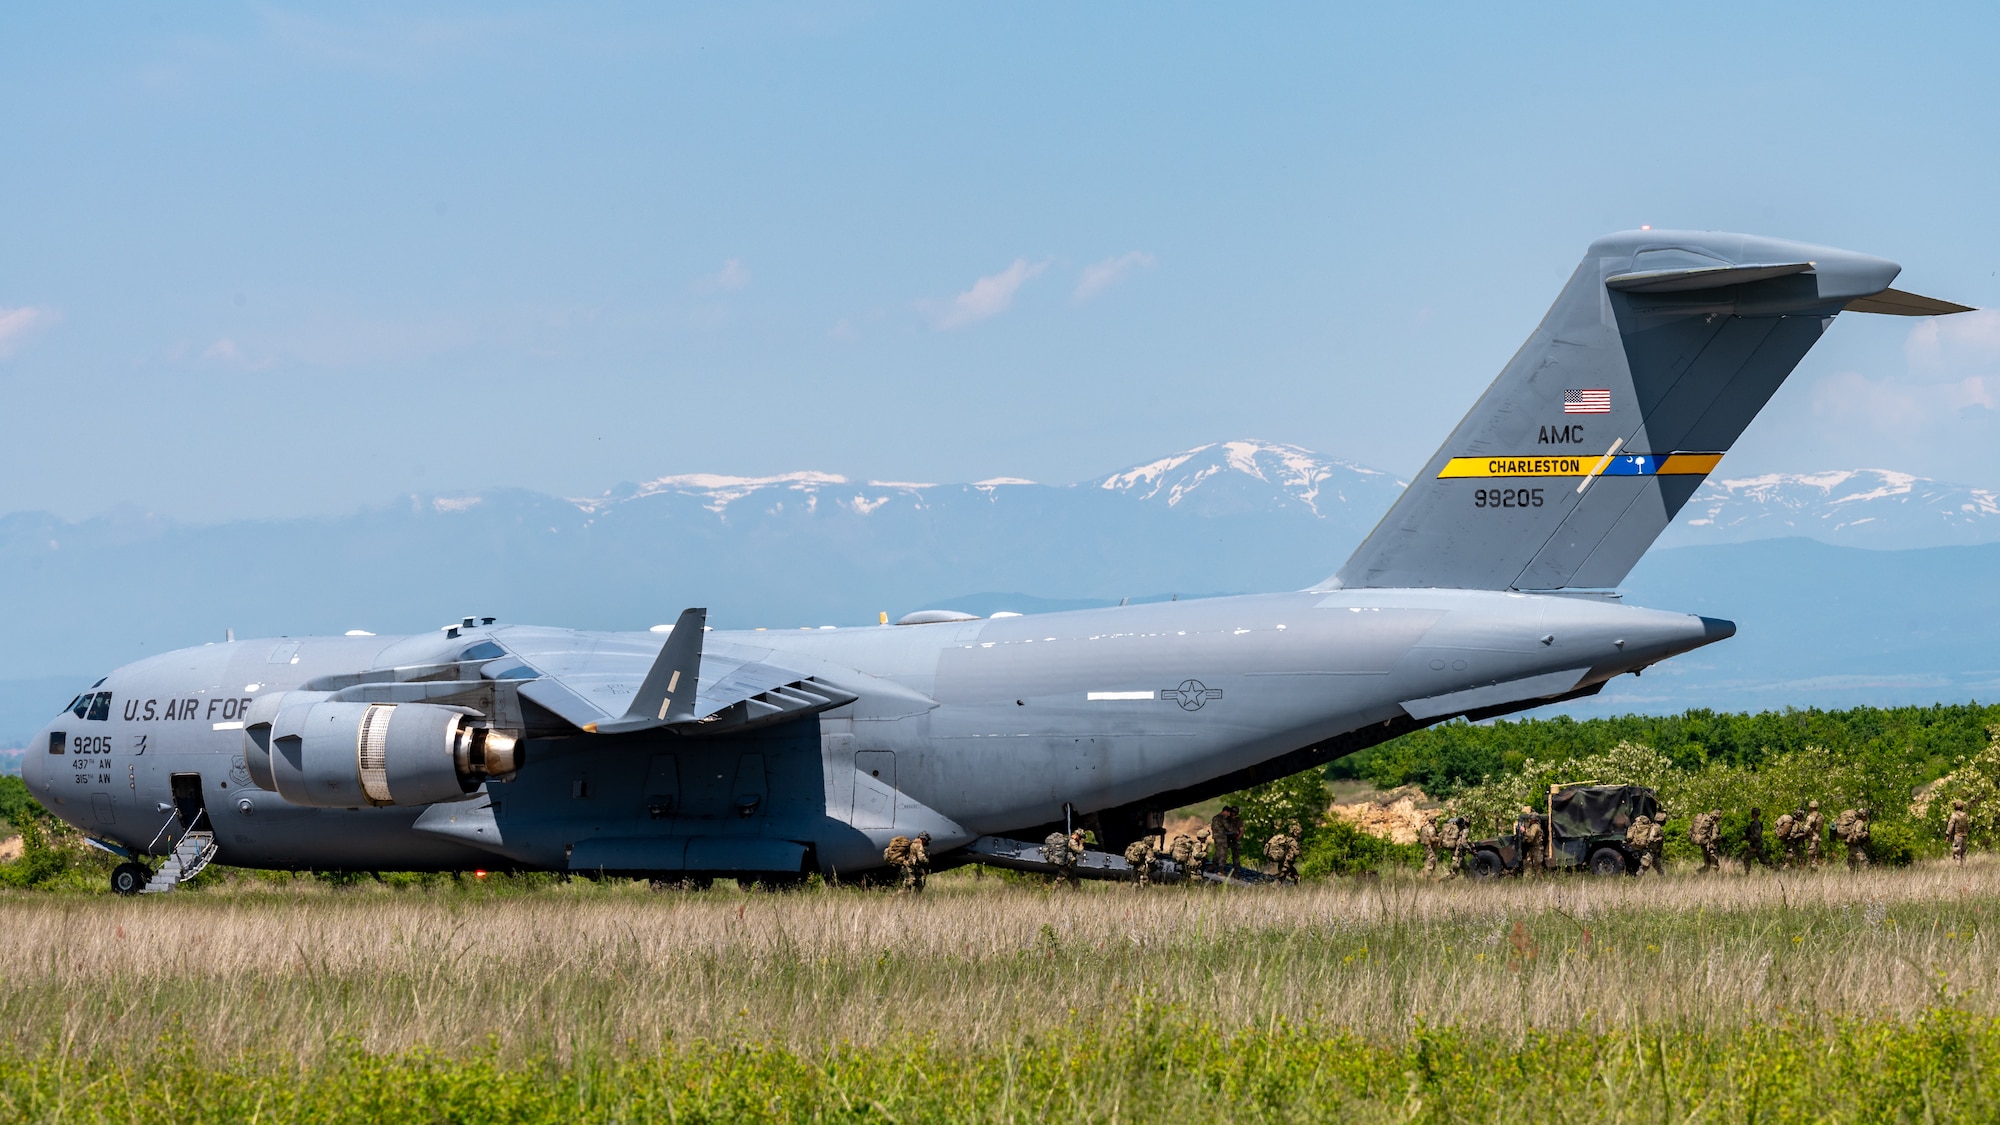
667	695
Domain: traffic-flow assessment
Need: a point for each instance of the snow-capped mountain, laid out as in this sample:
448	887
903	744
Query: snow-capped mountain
1873	508
1220	479
1238	476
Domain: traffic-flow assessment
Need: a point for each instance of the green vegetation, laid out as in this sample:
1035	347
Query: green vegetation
1830	996
1907	742
53	854
1149	1065
15	802
1903	763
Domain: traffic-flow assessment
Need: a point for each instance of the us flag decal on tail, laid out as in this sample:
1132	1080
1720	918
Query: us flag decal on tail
1587	401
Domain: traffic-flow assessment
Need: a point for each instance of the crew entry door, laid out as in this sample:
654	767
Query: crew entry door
188	804
874	789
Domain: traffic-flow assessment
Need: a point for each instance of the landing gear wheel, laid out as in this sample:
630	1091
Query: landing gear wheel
1487	865
130	878
1608	862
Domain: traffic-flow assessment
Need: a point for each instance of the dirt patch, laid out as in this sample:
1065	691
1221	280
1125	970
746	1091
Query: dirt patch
10	849
1395	814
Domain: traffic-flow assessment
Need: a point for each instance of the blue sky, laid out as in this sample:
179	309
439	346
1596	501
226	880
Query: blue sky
268	260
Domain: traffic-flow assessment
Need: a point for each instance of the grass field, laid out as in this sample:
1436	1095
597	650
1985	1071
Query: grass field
1670	999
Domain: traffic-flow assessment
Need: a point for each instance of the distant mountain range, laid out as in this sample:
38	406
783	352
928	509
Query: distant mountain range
1855	507
813	548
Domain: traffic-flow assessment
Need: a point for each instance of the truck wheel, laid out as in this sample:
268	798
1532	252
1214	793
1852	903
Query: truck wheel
130	878
1608	861
1487	865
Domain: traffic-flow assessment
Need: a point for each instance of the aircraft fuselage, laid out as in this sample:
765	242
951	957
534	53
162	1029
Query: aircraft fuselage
962	729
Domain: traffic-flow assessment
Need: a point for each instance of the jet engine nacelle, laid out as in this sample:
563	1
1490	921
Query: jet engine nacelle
313	751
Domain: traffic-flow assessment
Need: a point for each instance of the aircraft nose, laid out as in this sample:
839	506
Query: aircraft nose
1716	629
31	764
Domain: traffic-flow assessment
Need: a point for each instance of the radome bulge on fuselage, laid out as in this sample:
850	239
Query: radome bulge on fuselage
769	754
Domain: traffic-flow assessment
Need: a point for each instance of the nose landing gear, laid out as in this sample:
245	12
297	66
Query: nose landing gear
130	878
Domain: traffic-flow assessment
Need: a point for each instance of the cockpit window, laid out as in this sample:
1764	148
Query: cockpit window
81	704
71	706
95	707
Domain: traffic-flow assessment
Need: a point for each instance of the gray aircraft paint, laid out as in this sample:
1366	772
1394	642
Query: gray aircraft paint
808	750
1686	344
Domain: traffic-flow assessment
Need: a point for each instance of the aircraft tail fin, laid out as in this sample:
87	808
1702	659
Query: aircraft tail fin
1659	351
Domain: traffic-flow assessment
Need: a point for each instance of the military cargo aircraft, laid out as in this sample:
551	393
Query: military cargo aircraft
687	754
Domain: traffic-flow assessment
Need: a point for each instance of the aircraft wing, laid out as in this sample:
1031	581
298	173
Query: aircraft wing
593	682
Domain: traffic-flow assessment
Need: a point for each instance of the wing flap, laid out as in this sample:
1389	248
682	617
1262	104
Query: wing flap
564	703
601	684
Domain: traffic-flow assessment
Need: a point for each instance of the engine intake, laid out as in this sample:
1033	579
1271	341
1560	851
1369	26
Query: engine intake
346	755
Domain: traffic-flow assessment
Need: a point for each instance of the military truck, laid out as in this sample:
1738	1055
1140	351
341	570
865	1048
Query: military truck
1590	823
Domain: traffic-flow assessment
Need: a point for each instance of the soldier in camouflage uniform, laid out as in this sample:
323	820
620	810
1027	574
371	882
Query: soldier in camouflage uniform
1528	835
1852	828
1957	827
1788	836
1139	857
1062	852
912	858
1815	834
1753	841
1075	849
1198	861
1283	850
1227	830
1427	835
1705	832
1639	837
919	867
1452	835
1182	852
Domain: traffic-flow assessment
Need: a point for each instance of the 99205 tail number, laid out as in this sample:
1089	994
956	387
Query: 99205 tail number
1506	497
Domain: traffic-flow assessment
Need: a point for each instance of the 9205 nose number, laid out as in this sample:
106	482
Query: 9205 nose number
1507	498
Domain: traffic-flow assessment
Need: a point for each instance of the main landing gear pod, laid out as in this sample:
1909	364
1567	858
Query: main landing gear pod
346	755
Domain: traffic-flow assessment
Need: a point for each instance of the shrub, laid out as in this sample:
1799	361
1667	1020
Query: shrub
40	862
1269	807
15	803
1896	843
1339	848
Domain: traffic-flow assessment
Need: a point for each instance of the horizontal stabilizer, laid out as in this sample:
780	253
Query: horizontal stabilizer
1689	279
1895	302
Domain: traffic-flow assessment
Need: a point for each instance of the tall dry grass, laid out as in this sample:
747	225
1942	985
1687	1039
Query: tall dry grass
596	970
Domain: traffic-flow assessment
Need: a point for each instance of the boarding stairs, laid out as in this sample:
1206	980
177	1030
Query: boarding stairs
192	851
